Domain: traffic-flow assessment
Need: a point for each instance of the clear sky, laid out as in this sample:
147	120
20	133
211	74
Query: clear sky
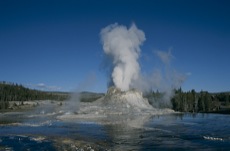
55	45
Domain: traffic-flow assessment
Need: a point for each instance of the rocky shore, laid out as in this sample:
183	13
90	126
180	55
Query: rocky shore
28	105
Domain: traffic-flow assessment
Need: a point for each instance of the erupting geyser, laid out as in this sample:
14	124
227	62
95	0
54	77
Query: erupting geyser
122	45
123	102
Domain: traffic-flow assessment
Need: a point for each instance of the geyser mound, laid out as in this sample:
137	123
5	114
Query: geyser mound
116	106
130	99
117	102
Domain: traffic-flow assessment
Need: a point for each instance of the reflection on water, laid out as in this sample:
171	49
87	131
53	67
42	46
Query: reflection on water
43	131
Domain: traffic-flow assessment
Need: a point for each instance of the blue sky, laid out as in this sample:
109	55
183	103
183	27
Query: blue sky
55	45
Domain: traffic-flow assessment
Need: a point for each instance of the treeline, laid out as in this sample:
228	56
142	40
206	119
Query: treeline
202	101
15	92
192	101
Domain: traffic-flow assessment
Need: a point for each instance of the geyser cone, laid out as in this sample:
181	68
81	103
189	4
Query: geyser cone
127	99
128	107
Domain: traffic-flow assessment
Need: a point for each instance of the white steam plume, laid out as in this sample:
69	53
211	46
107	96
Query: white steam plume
123	46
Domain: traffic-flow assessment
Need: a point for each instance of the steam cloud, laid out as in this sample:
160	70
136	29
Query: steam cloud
123	46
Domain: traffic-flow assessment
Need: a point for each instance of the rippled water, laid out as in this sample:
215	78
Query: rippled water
42	131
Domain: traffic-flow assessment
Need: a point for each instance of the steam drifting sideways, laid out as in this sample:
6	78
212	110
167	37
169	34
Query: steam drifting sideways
123	46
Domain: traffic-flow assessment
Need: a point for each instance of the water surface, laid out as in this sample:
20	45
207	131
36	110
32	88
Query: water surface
43	131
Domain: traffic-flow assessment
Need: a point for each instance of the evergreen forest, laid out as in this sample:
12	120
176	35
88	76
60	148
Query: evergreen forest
191	101
15	92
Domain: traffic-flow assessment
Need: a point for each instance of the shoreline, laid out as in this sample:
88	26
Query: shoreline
21	106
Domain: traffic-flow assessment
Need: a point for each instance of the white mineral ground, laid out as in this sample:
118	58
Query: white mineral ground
127	108
115	107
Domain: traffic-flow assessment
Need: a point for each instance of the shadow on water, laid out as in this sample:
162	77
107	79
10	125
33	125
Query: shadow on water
22	143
